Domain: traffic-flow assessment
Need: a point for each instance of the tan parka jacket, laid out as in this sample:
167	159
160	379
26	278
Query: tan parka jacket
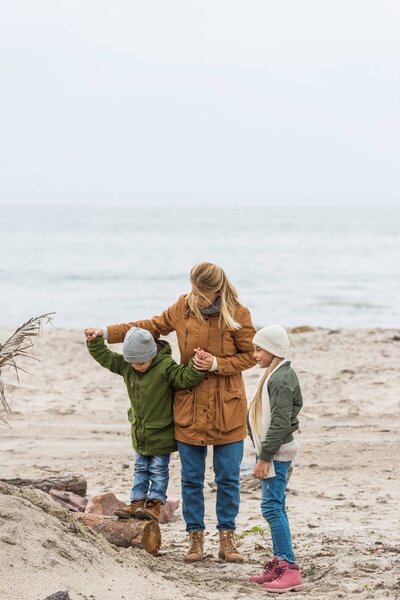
214	412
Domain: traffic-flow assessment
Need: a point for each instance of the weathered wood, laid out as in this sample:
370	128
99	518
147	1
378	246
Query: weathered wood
127	532
70	483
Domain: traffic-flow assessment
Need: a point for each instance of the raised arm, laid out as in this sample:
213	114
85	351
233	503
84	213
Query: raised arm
160	325
112	361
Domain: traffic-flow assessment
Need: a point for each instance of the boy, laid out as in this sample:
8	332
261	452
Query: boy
150	375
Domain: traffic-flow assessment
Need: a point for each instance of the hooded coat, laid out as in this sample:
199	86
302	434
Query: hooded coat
214	412
150	394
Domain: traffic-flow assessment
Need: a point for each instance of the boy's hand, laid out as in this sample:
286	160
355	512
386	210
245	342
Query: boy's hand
91	333
203	361
261	469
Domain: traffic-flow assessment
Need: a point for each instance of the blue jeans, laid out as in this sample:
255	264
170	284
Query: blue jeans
226	465
150	477
274	511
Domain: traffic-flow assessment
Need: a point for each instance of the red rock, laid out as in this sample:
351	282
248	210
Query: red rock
168	510
68	500
103	504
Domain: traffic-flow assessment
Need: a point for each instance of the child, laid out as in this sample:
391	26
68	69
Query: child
272	419
150	375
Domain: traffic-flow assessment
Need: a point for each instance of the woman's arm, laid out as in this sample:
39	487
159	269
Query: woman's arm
243	359
160	325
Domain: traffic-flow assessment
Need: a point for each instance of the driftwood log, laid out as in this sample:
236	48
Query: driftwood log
125	532
70	483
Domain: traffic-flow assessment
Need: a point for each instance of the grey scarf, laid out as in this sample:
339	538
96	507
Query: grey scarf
213	309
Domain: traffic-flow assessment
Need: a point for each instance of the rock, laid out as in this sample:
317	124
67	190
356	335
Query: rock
302	329
69	500
59	596
168	510
103	504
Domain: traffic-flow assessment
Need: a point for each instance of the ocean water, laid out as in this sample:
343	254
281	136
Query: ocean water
98	264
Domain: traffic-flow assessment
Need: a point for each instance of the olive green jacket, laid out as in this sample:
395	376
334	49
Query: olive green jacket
150	393
286	402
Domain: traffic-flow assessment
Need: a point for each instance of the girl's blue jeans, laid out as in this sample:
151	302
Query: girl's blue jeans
150	477
226	464
274	511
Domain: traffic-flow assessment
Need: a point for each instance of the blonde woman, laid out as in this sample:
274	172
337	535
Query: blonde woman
210	322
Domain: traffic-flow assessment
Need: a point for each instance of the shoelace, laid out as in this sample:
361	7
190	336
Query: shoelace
229	541
195	540
280	572
269	566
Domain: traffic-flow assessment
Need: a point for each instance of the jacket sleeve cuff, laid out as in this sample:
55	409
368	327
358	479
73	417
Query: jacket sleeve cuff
214	365
105	333
266	456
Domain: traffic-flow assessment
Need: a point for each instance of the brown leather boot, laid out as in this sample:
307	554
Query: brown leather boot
196	546
227	547
150	510
128	512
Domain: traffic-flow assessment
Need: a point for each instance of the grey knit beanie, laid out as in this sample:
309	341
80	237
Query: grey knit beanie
274	339
139	346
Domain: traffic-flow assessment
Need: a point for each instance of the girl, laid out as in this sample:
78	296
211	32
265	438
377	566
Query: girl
213	413
272	419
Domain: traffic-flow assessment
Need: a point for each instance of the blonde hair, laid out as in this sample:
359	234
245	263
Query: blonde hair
255	409
210	278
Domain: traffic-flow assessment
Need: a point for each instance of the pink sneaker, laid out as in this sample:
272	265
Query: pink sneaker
269	573
288	579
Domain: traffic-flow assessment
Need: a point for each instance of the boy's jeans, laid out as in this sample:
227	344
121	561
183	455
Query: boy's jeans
150	477
274	511
226	464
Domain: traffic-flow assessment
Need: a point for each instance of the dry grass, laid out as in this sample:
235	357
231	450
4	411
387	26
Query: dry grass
18	345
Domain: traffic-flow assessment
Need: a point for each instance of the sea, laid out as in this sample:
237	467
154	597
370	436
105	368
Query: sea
97	263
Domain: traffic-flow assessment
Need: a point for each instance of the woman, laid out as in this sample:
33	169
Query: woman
210	317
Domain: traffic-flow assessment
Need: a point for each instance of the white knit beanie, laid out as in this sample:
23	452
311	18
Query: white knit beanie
139	346
274	339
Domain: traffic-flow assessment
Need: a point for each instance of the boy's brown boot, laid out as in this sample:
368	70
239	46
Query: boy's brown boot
150	510
128	512
227	547
196	546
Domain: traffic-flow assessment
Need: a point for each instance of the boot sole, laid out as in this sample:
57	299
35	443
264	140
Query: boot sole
294	588
193	560
122	515
140	514
237	561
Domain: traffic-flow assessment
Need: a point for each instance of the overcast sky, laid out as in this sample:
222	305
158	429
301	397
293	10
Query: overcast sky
166	98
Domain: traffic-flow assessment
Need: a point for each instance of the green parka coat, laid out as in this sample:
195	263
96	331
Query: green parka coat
150	393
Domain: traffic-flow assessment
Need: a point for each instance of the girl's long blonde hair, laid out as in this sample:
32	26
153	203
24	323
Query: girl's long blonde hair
211	279
255	408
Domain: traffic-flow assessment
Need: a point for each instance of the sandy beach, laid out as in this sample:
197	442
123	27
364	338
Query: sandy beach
69	416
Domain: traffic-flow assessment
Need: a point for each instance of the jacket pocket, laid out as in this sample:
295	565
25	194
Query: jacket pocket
132	420
184	407
231	413
159	433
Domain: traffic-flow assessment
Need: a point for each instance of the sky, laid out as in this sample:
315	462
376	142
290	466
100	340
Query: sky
199	99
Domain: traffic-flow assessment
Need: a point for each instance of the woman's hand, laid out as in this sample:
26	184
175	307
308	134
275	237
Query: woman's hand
261	469
203	361
91	333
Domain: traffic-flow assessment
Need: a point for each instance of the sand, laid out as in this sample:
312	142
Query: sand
343	498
